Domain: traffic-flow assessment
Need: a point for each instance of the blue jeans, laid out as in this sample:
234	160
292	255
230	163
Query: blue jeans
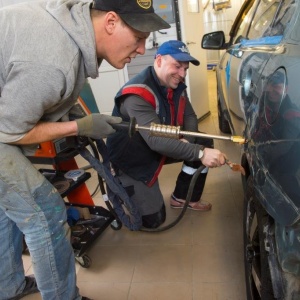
31	206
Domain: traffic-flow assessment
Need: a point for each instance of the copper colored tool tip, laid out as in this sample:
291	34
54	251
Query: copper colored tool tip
236	167
238	139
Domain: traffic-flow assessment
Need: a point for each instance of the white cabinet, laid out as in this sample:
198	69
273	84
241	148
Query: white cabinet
106	86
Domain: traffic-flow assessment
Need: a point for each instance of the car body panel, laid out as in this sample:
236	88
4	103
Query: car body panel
274	142
258	82
242	74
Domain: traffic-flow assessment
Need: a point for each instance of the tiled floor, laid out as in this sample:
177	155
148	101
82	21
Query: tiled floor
200	258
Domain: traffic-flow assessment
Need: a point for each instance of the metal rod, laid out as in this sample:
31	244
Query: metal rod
175	133
199	134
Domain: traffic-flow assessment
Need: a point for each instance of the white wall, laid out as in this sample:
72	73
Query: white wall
159	37
192	30
106	86
10	2
222	19
219	20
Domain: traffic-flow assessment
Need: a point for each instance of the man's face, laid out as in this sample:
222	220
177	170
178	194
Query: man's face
170	71
275	92
123	43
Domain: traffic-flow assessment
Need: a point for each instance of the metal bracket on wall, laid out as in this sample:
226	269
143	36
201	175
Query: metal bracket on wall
177	19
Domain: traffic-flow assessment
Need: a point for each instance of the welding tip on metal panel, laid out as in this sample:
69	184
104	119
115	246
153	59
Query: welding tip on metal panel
238	139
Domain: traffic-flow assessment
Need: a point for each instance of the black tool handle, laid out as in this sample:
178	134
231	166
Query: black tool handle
121	126
128	126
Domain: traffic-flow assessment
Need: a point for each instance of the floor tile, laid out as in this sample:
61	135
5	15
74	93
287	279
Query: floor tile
219	291
104	291
166	263
217	264
110	264
161	291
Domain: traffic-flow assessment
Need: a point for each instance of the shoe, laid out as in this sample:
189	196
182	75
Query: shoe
199	205
86	298
30	288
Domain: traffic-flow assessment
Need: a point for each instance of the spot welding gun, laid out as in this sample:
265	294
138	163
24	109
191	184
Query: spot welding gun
173	132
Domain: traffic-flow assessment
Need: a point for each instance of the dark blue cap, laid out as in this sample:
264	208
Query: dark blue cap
138	14
178	50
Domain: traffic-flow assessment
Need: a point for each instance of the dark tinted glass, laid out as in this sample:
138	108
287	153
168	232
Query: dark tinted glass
263	18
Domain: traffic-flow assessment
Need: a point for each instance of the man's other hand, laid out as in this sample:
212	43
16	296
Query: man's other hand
97	126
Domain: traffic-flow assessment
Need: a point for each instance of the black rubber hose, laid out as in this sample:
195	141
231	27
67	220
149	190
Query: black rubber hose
100	180
186	204
159	229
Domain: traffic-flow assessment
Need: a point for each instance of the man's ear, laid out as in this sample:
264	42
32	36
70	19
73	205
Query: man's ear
111	19
158	59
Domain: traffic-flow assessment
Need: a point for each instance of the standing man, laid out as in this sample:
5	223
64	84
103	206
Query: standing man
158	95
48	49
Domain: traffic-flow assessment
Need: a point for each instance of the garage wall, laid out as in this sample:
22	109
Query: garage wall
9	2
221	19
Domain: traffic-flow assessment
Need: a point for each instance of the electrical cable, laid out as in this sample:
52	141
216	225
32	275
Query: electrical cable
116	194
100	180
95	190
186	204
111	209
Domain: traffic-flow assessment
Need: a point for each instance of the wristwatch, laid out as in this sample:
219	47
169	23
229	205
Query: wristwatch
201	153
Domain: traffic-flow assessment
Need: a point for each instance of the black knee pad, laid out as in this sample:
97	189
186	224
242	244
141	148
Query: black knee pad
156	219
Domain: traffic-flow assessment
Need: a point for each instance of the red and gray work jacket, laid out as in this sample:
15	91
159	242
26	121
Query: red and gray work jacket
131	154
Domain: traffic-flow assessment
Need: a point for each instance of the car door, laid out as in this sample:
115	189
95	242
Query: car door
249	37
273	118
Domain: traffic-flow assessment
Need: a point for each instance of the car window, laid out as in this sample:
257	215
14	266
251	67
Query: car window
263	17
271	18
283	18
244	27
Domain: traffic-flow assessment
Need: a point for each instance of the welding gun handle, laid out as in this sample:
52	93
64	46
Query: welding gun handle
126	126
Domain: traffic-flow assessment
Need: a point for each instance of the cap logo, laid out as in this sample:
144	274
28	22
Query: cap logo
184	49
144	3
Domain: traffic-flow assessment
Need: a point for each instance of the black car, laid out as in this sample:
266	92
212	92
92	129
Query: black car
258	88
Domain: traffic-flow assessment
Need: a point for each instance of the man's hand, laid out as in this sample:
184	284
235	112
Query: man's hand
97	126
213	158
184	140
